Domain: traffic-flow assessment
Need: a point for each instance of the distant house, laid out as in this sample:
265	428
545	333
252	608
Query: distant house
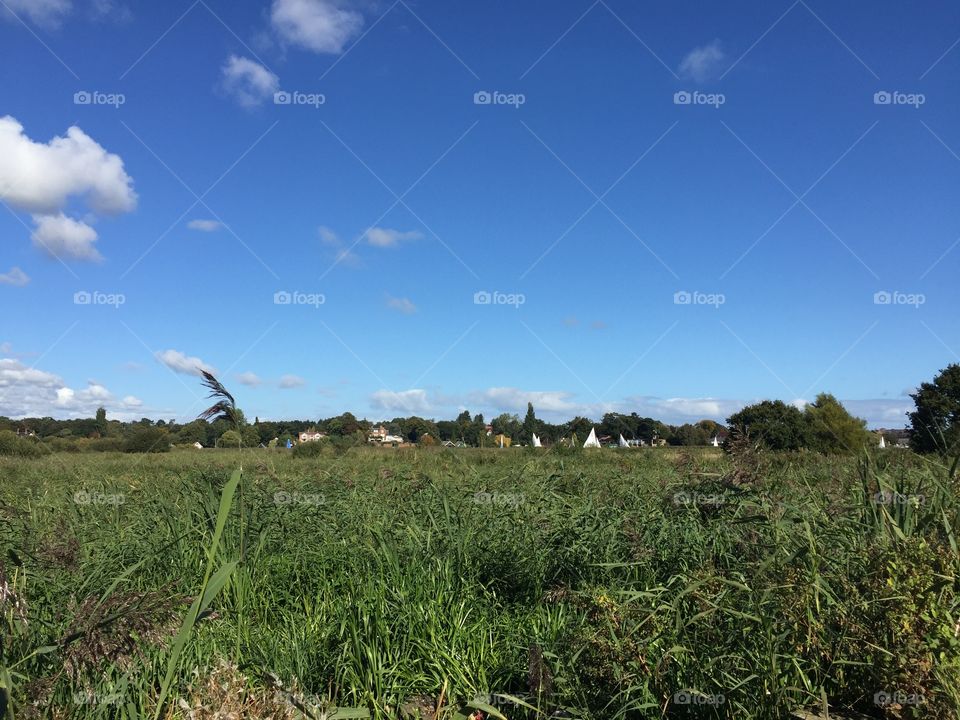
658	442
377	434
311	435
393	439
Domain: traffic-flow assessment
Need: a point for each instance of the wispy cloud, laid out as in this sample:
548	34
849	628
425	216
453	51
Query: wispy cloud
388	237
403	305
16	277
249	379
205	225
248	82
703	63
181	363
288	382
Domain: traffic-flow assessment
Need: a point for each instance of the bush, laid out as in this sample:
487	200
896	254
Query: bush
12	445
148	440
309	449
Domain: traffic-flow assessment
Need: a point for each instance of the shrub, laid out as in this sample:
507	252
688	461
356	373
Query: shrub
148	440
11	444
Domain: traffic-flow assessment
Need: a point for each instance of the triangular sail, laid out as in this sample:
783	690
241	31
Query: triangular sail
883	443
715	442
623	443
536	441
592	441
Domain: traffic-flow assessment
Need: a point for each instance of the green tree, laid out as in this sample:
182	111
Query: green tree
774	423
831	429
147	440
935	423
229	439
530	425
101	421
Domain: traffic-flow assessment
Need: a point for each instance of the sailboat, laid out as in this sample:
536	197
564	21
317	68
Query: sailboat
715	442
501	441
623	443
592	441
536	441
883	443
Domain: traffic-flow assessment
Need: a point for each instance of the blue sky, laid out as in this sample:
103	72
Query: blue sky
641	253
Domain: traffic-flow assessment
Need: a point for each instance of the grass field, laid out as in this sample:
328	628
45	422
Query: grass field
440	583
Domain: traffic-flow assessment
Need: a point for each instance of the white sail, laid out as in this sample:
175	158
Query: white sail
536	441
592	441
715	442
623	443
883	443
501	441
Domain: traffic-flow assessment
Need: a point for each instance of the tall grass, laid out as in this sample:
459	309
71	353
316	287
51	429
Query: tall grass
452	583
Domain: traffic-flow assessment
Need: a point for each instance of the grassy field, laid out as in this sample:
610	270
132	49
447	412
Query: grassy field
515	583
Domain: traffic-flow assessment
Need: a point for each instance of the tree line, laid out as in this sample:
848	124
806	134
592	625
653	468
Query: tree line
822	426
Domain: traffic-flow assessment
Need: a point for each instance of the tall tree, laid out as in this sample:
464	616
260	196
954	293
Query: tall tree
831	429
529	425
936	420
774	423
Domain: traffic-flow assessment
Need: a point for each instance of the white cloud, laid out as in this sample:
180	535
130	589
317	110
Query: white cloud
409	401
181	363
47	13
249	82
328	236
288	382
249	379
387	237
205	225
322	26
703	63
29	392
111	10
16	277
40	177
65	238
508	399
403	305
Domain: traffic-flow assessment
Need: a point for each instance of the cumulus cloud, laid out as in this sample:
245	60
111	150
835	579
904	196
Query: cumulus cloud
205	225
403	305
29	392
46	13
16	277
703	63
288	382
411	401
181	363
248	82
322	26
63	237
40	178
387	237
249	379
